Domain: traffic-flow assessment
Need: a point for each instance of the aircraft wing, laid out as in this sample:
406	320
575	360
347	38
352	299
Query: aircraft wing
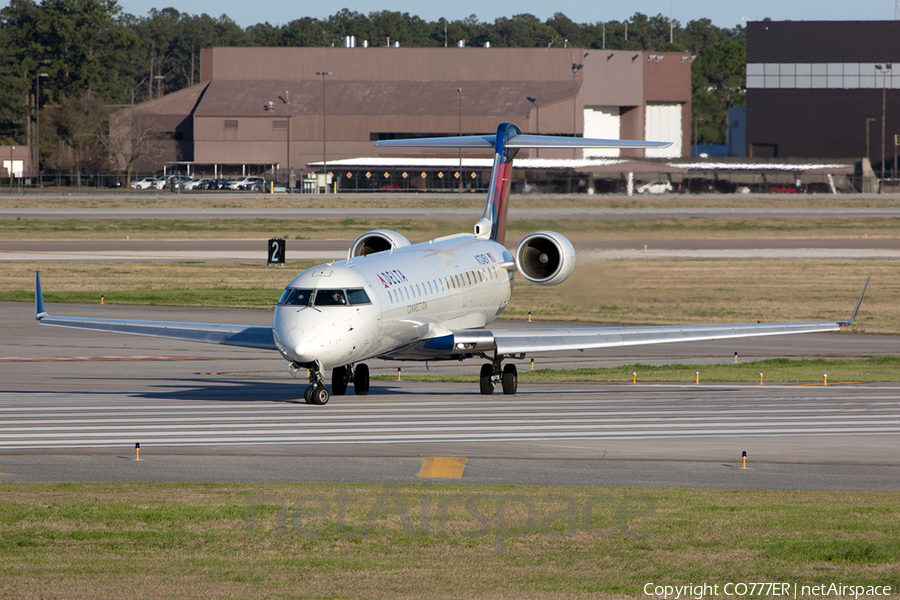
527	341
522	341
210	333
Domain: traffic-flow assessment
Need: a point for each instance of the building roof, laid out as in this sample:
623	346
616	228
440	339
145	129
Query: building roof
181	102
372	98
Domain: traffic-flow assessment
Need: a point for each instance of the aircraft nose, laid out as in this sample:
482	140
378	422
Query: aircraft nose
303	345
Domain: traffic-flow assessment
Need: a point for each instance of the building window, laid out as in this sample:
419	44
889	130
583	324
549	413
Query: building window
231	124
279	125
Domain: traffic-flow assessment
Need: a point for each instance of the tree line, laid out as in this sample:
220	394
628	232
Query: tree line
65	64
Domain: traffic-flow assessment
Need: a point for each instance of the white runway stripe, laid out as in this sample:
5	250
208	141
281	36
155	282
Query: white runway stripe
42	422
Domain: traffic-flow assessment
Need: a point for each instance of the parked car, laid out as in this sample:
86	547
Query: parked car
161	182
145	183
655	187
196	184
253	184
216	184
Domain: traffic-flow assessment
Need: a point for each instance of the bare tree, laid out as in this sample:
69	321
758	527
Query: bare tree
130	138
75	123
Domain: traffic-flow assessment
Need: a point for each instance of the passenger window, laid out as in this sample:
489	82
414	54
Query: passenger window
330	298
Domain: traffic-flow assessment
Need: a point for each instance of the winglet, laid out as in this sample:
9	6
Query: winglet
39	312
858	302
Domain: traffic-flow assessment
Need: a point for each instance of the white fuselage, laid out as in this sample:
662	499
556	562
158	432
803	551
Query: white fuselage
412	293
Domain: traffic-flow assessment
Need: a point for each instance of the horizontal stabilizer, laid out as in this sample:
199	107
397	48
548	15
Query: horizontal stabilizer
518	141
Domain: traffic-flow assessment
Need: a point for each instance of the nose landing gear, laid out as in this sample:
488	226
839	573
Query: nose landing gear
316	393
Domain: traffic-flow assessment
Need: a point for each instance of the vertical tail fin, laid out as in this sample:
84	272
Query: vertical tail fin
497	204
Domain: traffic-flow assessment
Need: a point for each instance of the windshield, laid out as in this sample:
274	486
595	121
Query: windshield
295	297
336	297
330	298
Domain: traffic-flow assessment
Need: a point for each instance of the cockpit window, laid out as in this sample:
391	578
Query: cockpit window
330	298
358	296
295	297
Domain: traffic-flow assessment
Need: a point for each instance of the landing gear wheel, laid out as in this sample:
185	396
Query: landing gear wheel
361	380
320	395
510	380
487	386
308	394
339	381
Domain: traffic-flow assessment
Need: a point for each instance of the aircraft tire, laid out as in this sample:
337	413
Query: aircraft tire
361	380
320	395
339	381
487	386
308	394
510	380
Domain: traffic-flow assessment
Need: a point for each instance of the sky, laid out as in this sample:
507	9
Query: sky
723	13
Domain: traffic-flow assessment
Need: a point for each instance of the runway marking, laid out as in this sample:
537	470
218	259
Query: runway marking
442	467
48	420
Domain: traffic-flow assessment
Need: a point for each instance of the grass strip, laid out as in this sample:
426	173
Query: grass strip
307	540
425	229
102	199
780	370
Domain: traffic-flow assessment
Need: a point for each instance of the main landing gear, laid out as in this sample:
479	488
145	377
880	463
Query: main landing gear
342	376
491	374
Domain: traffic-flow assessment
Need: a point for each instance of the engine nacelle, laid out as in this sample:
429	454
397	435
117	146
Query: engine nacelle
545	258
378	240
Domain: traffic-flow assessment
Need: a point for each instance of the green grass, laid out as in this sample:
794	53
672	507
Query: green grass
424	229
876	368
119	540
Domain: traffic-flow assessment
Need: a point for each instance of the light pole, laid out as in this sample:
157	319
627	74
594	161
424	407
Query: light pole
37	123
575	68
459	96
537	109
324	74
868	121
884	73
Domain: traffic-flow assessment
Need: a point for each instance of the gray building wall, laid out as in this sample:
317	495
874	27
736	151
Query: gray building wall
812	85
